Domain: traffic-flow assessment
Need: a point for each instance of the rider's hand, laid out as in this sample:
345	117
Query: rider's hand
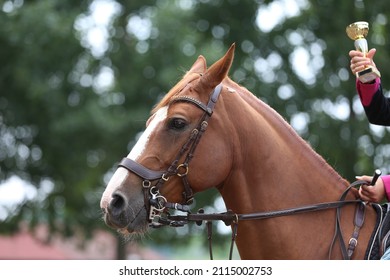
359	61
374	193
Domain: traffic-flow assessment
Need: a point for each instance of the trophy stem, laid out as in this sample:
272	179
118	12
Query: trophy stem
361	45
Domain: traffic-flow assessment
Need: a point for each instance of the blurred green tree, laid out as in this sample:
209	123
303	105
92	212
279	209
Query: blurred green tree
78	80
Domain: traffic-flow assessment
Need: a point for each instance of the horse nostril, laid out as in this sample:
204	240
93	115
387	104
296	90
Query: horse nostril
117	204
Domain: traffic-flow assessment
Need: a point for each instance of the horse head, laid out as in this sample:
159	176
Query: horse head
174	158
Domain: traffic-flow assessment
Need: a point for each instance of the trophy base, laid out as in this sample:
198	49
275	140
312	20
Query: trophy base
368	75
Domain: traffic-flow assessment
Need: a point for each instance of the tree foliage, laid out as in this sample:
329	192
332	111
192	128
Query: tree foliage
70	109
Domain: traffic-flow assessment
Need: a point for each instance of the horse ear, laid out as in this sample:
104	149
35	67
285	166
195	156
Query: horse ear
219	70
199	66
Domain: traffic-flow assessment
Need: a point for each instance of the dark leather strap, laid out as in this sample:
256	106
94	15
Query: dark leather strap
229	217
140	170
292	211
209	226
209	108
359	221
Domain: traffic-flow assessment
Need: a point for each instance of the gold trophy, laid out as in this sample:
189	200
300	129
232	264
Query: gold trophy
358	31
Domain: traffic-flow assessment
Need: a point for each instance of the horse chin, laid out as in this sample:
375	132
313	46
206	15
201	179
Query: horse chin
136	227
130	224
130	232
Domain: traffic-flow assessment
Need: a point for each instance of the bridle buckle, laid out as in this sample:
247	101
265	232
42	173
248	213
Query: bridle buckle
182	166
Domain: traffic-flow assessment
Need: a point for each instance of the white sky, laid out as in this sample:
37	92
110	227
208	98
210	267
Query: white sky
13	192
277	11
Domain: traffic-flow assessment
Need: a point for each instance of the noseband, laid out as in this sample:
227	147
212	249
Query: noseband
155	203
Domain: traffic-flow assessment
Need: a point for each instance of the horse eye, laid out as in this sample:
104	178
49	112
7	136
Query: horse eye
177	124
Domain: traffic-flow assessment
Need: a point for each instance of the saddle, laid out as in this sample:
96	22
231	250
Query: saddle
380	239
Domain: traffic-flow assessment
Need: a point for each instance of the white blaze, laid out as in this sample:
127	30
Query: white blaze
121	173
139	147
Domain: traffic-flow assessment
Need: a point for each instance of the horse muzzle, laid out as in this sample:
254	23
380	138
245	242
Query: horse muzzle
124	215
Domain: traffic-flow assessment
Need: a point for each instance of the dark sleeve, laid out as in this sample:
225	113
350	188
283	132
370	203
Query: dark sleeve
378	112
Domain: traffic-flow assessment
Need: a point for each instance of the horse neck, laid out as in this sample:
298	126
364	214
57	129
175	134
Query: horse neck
272	161
275	169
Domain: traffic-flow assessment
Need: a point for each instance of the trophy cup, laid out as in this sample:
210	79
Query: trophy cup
358	31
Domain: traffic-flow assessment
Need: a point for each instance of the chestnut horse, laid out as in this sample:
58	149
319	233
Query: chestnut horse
252	156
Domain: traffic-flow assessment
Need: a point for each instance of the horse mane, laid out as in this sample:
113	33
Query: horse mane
263	108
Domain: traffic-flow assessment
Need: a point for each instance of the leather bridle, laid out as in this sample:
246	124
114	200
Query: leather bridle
155	203
158	207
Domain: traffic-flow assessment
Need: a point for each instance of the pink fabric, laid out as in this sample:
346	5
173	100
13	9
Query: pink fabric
367	91
386	183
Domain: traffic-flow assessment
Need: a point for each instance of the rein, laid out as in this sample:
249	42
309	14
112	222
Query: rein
158	207
232	219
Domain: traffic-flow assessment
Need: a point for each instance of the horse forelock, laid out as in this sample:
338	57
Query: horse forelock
175	91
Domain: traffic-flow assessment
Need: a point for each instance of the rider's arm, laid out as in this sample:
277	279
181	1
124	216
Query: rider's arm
376	105
367	91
